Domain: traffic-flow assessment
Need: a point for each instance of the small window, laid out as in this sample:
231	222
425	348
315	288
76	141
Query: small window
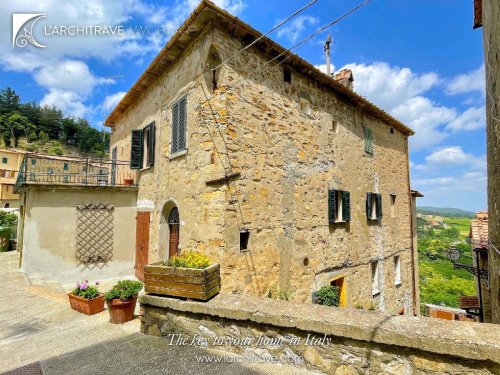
287	75
4	160
339	206
33	161
397	270
368	141
392	130
373	206
66	166
244	237
7	205
305	106
375	278
393	205
335	126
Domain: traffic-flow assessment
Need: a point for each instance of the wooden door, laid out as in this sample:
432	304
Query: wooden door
141	243
173	247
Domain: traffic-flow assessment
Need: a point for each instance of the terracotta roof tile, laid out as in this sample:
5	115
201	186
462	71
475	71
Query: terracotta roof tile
479	231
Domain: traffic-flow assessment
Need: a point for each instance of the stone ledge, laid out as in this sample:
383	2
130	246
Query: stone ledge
470	341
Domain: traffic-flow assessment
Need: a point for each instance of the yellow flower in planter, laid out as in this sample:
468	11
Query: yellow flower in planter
189	259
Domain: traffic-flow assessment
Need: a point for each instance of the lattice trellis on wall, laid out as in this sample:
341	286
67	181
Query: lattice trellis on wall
94	232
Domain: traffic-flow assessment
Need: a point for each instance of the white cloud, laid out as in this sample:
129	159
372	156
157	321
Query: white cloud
322	67
454	155
67	101
112	100
426	118
294	28
390	86
472	119
470	82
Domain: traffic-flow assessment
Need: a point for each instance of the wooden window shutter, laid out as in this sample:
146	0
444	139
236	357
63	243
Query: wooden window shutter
368	141
378	200
151	143
136	150
346	206
369	206
175	128
182	124
332	205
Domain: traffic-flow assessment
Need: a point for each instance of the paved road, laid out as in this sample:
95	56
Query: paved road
36	324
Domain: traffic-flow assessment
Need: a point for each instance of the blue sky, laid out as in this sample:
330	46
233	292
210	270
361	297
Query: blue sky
420	60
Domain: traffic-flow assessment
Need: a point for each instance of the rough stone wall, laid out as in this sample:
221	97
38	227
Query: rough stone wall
287	161
354	342
491	39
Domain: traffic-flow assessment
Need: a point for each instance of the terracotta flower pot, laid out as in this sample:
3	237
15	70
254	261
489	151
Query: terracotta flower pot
128	181
121	311
86	306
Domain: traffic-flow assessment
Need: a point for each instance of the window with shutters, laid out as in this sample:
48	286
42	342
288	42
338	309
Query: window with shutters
142	150
179	125
368	141
373	206
339	206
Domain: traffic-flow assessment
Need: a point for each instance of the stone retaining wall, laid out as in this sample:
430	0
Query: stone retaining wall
326	339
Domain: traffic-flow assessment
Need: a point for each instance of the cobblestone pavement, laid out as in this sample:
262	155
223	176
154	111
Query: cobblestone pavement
37	324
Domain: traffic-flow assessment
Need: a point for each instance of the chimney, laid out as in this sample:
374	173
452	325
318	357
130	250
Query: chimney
345	78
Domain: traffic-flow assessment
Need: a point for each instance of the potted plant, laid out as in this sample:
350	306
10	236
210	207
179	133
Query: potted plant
190	275
85	298
121	300
128	181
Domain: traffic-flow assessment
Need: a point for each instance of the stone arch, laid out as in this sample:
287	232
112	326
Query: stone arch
213	59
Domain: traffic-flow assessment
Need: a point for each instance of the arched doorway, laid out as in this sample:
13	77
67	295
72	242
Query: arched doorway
173	226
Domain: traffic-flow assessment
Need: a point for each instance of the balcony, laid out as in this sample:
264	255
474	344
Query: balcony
37	169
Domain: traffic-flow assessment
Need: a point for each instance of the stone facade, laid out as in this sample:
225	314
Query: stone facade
10	162
324	339
281	163
491	40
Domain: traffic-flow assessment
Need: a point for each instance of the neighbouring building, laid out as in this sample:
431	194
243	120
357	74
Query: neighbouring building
10	162
77	218
282	174
479	242
487	15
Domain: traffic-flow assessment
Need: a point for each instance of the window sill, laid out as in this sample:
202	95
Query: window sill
375	293
178	154
145	168
398	283
340	221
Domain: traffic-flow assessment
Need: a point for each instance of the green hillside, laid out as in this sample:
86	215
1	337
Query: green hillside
440	284
446	212
36	128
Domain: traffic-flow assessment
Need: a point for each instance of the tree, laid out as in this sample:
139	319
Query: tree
19	125
9	101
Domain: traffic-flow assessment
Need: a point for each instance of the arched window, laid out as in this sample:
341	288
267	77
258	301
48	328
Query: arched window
173	216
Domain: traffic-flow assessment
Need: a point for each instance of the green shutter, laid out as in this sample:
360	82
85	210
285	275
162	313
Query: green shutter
346	206
332	204
378	199
368	141
175	128
182	124
136	150
369	206
151	144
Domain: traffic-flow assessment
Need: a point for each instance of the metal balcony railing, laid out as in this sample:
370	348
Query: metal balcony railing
60	170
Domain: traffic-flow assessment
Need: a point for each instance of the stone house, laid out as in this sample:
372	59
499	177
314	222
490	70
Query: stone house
10	162
487	14
277	171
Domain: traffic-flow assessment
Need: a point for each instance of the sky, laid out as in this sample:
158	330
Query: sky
420	60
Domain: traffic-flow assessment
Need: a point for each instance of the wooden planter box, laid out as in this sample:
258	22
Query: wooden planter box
193	283
86	306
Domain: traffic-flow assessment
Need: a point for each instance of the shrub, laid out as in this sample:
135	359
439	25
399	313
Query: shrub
328	295
276	293
86	290
56	150
7	219
124	290
189	259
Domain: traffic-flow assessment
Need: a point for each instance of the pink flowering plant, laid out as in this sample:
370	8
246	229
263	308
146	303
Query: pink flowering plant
86	290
